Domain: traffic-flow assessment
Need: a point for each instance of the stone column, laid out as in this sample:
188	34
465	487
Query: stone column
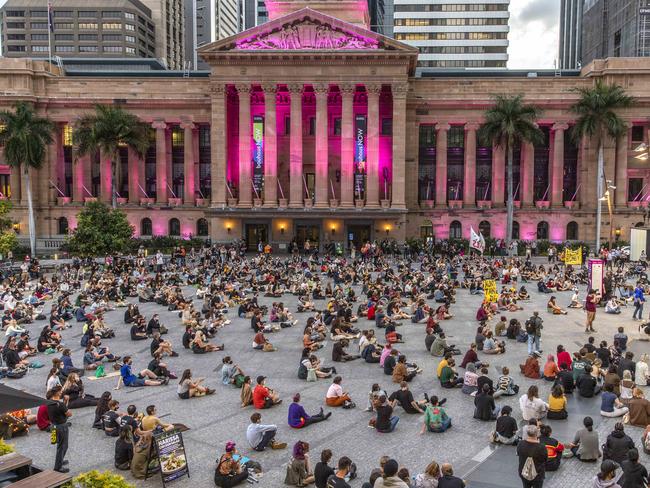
399	91
189	178
270	146
469	185
218	146
245	160
55	167
161	161
321	157
441	165
557	171
136	177
14	184
106	176
620	194
347	145
527	174
295	148
372	173
498	175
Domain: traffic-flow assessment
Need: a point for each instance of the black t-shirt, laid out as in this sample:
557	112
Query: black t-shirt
428	340
123	451
57	413
506	426
384	413
389	364
155	344
336	482
337	352
604	355
537	451
586	385
565	378
404	397
589	347
111	420
129	420
11	358
322	471
484	380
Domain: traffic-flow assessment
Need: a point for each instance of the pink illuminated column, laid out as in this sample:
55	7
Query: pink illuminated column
14	185
105	177
189	178
321	156
54	166
527	173
245	164
161	161
557	176
469	197
136	177
399	92
620	194
218	148
441	165
372	178
81	179
347	145
270	146
498	175
295	148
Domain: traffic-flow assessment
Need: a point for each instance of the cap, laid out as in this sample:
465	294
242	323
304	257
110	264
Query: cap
536	354
260	379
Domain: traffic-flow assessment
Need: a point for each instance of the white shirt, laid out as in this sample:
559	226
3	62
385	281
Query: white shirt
642	374
334	391
532	409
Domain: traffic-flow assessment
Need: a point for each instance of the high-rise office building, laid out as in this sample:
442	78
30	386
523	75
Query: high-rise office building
255	13
570	34
615	28
208	21
92	28
459	34
168	16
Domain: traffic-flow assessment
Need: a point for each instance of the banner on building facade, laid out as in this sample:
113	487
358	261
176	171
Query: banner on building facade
573	256
258	155
360	128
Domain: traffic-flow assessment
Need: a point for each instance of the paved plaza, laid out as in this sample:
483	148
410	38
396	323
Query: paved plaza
219	418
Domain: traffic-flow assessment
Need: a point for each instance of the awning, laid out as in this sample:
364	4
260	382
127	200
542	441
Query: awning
12	399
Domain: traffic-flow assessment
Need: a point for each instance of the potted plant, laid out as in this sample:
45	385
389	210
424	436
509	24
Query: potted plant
200	202
232	202
428	203
334	202
359	202
96	479
283	203
63	200
542	204
385	203
6	448
122	201
174	202
634	204
455	204
309	203
484	203
145	202
90	199
257	202
571	204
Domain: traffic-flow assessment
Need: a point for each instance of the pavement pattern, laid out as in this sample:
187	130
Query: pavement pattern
216	419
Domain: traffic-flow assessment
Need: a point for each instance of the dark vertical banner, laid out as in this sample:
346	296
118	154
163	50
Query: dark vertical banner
359	155
258	155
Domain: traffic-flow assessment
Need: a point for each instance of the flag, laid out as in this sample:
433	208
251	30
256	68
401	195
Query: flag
50	19
477	241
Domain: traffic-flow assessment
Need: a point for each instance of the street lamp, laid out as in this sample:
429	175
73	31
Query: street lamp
608	198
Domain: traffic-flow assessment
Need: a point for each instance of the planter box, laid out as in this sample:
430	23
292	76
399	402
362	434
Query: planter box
484	203
427	203
174	202
384	203
257	202
232	202
90	199
359	203
543	204
334	202
283	203
455	204
145	202
571	204
63	201
309	203
201	202
122	201
636	204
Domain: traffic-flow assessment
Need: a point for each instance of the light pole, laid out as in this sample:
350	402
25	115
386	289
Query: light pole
608	198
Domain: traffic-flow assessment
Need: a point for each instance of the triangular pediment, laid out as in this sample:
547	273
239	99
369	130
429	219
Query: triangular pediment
306	30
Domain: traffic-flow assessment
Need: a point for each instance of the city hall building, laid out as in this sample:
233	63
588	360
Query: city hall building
313	127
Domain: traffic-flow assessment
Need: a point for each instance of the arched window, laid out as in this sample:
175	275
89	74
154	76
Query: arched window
542	230
455	230
146	229
639	224
202	227
63	225
484	228
174	227
572	231
515	230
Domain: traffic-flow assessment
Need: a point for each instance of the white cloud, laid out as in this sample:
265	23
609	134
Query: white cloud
534	33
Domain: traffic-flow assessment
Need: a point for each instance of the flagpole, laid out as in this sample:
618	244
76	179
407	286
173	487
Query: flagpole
50	25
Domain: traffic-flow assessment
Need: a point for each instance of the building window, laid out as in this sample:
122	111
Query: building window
67	135
617	44
15	13
312	126
515	230
542	230
111	26
426	232
287	125
88	49
572	231
130	39
33	25
112	14
111	37
64	37
634	189
62	13
387	126
638	133
87	13
16	37
146	229
129	50
174	227
64	49
40	49
88	25
484	228
63	226
112	49
129	27
337	126
38	13
455	230
19	25
87	37
16	49
129	15
65	26
39	37
202	227
178	137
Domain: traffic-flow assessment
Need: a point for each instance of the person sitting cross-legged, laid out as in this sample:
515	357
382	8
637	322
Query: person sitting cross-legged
435	417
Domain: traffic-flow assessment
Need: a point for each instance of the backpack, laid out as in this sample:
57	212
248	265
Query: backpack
530	327
529	472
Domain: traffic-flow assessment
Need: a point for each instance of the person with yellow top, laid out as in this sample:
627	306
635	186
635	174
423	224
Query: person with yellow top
557	404
151	421
441	365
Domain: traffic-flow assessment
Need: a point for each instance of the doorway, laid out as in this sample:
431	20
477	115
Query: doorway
254	234
358	234
308	231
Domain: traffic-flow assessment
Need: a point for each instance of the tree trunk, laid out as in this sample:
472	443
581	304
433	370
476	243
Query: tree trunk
113	183
599	193
510	205
30	213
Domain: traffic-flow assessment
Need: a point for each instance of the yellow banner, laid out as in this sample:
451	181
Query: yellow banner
490	290
573	257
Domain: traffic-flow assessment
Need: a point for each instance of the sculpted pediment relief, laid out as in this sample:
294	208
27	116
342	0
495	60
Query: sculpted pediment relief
306	34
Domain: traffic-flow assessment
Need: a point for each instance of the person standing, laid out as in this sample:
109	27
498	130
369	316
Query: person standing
530	447
59	414
639	300
534	329
590	308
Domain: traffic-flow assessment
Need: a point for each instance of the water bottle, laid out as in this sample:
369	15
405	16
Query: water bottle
53	435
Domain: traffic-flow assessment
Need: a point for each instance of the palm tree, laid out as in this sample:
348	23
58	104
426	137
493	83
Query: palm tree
508	123
25	137
597	119
105	131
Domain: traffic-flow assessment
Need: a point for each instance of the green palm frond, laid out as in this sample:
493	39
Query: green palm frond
25	136
510	121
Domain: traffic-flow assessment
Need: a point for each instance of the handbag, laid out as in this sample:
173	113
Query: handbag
311	374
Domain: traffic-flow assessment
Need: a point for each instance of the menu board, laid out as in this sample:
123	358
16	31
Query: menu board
171	453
